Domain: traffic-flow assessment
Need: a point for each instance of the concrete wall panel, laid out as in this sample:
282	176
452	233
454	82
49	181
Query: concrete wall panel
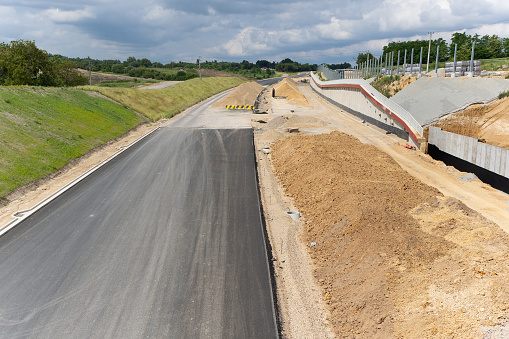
489	157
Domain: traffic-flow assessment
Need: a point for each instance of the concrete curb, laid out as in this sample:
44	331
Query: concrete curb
24	214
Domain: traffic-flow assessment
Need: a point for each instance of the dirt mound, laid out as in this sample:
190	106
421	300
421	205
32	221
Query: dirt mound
244	94
489	123
394	257
288	88
284	121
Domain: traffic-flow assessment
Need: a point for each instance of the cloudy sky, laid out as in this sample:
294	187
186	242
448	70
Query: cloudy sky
306	31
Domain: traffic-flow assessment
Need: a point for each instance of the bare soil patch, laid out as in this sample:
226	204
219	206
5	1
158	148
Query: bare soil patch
288	89
244	94
489	123
393	256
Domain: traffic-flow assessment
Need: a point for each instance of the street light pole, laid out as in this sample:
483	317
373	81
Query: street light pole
429	50
199	66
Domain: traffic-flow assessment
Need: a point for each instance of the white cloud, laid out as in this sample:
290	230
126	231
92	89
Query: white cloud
157	15
245	42
61	16
336	29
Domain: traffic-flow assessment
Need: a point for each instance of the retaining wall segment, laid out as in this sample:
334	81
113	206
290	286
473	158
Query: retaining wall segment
428	99
359	98
492	158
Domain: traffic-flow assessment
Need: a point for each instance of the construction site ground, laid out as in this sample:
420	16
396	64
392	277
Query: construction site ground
391	243
489	123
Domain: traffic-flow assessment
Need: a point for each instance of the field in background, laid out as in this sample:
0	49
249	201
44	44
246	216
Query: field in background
165	103
42	129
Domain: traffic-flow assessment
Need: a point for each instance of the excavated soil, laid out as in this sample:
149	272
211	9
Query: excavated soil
244	94
489	123
394	258
287	88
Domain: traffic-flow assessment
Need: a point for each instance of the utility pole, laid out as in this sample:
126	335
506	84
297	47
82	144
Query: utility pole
89	72
429	50
199	66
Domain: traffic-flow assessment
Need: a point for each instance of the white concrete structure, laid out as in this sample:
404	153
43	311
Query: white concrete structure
359	98
492	158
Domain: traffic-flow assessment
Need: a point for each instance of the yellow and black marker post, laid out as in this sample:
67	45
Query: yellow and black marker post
240	107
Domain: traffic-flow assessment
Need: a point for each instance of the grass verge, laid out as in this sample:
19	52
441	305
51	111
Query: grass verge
165	103
42	129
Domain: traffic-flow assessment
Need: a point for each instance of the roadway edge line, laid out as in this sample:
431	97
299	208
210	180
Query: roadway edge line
20	216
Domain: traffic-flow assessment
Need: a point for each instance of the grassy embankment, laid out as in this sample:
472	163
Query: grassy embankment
165	103
42	129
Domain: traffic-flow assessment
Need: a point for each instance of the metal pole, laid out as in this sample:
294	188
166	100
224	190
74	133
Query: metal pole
199	66
420	63
472	61
412	62
404	64
89	72
380	62
429	50
453	75
392	61
436	64
385	68
397	67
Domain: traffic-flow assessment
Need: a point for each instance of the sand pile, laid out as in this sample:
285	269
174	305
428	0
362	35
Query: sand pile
284	121
288	88
394	257
489	123
244	94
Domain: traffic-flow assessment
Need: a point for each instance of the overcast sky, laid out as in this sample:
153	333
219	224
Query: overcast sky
177	30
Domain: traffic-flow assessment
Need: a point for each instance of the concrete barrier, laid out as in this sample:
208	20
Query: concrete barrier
358	97
492	158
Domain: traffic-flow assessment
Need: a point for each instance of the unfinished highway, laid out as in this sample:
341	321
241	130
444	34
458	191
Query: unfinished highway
166	240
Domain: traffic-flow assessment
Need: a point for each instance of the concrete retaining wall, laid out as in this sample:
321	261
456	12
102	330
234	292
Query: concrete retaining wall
359	98
491	158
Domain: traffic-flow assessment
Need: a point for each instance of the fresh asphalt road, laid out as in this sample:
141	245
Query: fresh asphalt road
164	241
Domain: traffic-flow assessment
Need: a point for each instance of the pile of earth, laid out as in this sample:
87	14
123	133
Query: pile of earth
489	123
393	256
288	88
244	94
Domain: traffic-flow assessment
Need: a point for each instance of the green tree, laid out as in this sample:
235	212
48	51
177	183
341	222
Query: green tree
23	63
363	57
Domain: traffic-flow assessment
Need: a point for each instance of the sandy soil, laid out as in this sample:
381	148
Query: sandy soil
287	88
398	253
489	123
244	94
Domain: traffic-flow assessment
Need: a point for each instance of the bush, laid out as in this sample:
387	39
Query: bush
503	95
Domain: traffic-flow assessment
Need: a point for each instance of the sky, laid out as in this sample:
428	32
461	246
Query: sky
234	30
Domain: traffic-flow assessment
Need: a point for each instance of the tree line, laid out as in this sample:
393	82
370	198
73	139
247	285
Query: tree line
486	47
22	63
145	68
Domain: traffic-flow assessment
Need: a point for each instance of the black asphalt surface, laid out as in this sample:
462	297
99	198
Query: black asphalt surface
165	241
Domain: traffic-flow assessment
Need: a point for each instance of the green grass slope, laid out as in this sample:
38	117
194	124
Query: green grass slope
165	103
42	129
